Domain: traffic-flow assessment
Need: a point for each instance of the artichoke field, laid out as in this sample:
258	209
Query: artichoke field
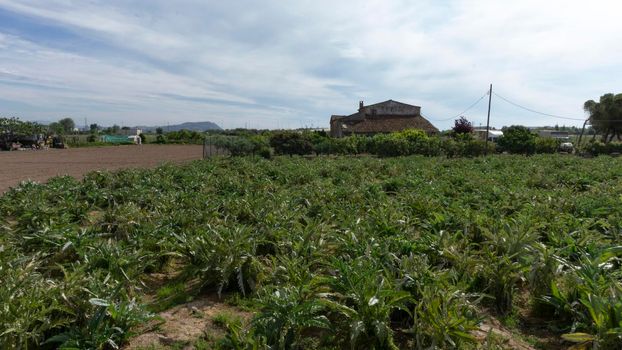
329	252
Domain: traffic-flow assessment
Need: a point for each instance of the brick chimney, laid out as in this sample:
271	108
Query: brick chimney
361	106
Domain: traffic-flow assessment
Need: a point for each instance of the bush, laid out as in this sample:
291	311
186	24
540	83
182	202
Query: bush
464	145
265	152
452	148
385	145
596	148
462	127
91	138
546	145
326	146
237	146
186	136
243	146
474	148
291	143
517	139
404	143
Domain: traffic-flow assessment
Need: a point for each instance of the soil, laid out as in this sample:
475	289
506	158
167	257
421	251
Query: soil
184	324
508	339
40	165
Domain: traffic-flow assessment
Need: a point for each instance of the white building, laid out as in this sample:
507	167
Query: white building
560	135
493	134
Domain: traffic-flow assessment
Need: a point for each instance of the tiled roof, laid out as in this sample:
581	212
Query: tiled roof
392	102
390	124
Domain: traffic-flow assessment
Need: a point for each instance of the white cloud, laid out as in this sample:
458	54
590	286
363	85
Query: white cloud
279	63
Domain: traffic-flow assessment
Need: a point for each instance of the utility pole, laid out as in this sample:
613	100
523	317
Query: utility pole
582	131
488	120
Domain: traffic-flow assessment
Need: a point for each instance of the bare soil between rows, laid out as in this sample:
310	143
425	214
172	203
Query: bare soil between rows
41	165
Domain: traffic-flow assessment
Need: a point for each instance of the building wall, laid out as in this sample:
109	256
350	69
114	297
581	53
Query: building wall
390	115
335	127
393	109
554	134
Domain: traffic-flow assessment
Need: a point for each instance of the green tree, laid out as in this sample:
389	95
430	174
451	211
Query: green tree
68	125
18	127
606	115
56	128
518	139
12	127
291	143
93	128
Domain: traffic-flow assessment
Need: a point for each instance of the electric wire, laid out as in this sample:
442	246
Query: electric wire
534	111
505	99
461	113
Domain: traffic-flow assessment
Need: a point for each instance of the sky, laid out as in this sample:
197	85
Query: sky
291	64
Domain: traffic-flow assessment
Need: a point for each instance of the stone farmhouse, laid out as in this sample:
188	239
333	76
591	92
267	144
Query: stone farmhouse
384	117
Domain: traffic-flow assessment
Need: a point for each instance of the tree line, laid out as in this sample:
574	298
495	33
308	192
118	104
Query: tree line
459	142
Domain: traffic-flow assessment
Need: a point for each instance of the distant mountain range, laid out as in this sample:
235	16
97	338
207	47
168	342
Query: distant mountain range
193	126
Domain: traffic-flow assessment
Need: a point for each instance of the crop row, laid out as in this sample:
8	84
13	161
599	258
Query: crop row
338	252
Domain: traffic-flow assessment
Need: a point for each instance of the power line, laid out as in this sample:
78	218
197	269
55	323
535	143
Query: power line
556	116
534	111
461	113
589	121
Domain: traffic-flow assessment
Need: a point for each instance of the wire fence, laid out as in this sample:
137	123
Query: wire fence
211	148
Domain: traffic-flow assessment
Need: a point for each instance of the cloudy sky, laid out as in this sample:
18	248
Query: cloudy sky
288	64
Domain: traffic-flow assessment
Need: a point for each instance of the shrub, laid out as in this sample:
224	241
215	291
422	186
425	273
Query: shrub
243	145
326	146
404	143
186	136
239	146
596	148
265	152
517	139
291	143
386	145
462	127
546	145
475	148
452	148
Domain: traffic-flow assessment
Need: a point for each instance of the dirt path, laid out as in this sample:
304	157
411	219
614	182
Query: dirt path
41	165
184	324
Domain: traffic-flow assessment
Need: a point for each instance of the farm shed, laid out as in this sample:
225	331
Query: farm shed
384	117
556	134
493	134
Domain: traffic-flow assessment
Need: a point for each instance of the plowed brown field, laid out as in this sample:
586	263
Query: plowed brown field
41	165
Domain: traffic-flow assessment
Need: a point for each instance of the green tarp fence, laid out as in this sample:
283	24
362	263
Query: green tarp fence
116	139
